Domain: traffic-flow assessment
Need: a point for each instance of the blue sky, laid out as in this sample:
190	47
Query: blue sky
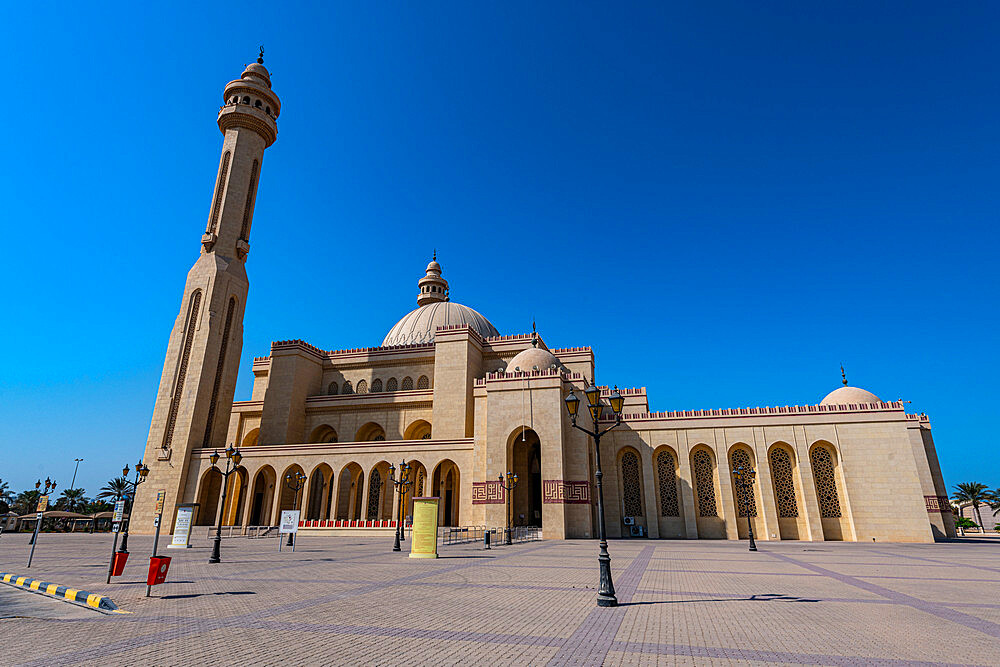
725	200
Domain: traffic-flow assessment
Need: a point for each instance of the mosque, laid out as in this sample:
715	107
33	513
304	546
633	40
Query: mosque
463	404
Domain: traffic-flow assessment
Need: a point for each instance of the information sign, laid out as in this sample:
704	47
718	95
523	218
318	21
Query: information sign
43	503
182	528
161	496
423	538
119	511
289	521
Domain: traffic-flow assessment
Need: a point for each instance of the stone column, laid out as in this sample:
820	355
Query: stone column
687	486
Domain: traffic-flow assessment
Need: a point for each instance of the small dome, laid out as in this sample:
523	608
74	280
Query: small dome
257	71
532	358
847	395
419	325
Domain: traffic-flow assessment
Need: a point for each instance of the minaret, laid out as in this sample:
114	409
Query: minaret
199	374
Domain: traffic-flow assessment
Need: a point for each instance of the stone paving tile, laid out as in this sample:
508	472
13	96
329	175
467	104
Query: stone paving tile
352	601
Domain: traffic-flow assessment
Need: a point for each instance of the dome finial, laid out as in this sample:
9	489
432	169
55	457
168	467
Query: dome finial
843	375
534	334
434	257
260	56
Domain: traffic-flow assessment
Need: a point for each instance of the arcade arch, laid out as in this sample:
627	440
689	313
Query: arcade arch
262	497
524	452
350	490
446	486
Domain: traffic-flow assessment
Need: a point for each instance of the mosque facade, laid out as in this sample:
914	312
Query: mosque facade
463	404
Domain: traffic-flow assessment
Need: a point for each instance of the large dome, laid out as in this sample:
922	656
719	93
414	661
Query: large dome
848	395
418	326
435	309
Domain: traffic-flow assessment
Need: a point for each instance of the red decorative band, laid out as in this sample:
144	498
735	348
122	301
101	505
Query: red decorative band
488	493
568	493
937	504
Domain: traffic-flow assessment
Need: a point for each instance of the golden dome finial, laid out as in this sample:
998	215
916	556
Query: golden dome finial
843	375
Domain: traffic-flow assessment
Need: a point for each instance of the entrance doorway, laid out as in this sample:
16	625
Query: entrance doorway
525	456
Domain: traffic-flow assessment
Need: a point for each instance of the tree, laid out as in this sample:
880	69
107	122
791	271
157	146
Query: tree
972	493
5	496
116	488
995	501
962	523
27	501
71	499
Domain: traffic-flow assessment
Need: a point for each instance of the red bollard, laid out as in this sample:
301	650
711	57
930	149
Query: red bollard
118	564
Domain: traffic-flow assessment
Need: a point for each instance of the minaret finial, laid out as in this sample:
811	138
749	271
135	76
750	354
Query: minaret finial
843	375
260	56
434	257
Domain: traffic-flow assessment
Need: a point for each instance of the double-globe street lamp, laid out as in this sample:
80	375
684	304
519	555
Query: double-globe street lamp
400	484
296	482
508	487
140	476
233	458
744	480
606	592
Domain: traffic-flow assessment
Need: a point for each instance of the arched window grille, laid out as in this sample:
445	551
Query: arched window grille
420	484
332	389
667	475
348	388
426	436
374	490
705	482
362	387
220	187
826	484
391	384
376	385
631	491
784	487
746	504
175	402
378	438
423	382
407	383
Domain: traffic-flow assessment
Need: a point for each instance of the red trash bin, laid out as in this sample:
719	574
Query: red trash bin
118	563
158	566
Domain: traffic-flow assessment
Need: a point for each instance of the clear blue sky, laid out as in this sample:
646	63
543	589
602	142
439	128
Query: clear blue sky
725	201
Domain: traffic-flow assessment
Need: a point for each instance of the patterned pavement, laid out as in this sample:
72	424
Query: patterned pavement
352	601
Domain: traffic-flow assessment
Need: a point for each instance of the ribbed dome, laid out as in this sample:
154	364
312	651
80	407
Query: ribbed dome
847	395
418	326
532	358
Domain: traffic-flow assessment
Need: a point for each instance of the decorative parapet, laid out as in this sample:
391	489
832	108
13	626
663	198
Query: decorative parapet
566	350
516	375
514	337
333	354
459	327
922	418
764	411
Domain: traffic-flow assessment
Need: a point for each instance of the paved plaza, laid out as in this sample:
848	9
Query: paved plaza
352	600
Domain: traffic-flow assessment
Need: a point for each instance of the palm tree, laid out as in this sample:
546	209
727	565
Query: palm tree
26	501
71	498
116	488
5	496
995	501
972	493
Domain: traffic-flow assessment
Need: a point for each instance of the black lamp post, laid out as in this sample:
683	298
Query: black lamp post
294	482
401	484
744	480
233	458
508	487
50	486
606	592
140	476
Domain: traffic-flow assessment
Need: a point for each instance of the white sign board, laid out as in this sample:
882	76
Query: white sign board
289	521
182	529
119	511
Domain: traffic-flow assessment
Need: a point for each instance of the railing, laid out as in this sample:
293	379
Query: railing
466	534
252	532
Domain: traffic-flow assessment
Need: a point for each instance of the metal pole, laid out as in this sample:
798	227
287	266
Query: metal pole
216	556
753	545
399	510
72	484
606	593
114	548
156	541
125	512
31	554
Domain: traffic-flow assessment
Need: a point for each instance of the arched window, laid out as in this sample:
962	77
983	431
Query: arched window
374	489
248	206
784	488
826	484
220	188
631	493
246	100
666	472
746	504
362	387
332	389
391	384
257	103
378	438
194	306
423	382
705	482
376	385
420	484
407	383
348	389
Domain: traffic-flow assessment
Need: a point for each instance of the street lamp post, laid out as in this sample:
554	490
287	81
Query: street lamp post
72	484
233	458
140	476
508	487
606	592
400	484
50	486
744	480
295	482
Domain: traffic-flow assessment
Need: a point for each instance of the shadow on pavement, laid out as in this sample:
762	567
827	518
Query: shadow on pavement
198	595
766	597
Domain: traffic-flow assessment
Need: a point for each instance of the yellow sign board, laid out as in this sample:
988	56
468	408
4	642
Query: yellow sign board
43	503
423	539
161	495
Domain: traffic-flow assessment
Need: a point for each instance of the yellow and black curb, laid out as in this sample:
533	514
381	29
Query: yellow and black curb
99	602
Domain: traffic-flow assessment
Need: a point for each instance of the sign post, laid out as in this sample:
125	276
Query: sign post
289	524
161	495
43	504
423	534
182	528
116	526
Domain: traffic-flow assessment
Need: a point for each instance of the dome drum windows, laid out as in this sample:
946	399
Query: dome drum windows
391	385
423	382
407	384
362	387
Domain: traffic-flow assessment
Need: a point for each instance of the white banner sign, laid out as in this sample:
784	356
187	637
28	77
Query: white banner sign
182	529
119	511
289	521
